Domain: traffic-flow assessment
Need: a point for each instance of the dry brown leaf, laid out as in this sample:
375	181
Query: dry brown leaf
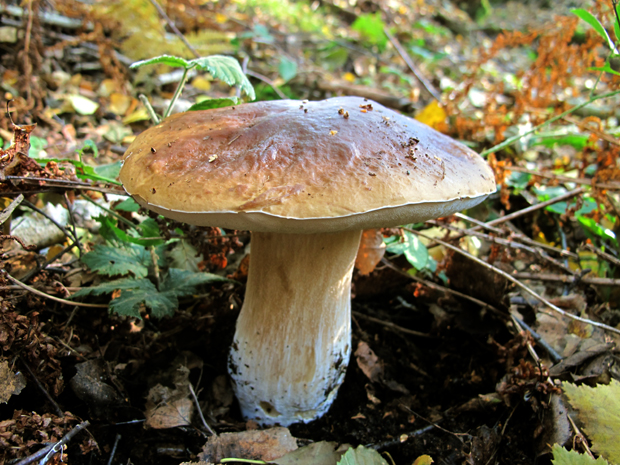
368	362
267	445
370	252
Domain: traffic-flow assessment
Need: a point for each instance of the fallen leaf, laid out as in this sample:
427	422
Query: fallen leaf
267	445
368	362
370	252
318	453
362	456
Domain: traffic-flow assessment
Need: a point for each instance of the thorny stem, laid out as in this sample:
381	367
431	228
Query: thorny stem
519	284
514	139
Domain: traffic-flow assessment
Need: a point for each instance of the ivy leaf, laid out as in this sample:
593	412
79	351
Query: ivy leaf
113	261
362	456
214	103
227	69
168	60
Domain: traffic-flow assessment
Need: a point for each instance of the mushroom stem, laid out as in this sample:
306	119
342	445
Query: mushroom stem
293	337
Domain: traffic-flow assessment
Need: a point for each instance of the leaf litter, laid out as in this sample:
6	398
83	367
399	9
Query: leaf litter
476	363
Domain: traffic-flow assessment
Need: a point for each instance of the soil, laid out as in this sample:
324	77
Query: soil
429	400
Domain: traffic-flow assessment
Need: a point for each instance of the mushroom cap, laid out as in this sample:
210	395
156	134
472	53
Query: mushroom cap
302	167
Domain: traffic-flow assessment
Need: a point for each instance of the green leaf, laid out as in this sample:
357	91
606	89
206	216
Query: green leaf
599	410
37	145
227	69
168	60
562	456
128	205
598	27
414	250
108	172
606	68
89	146
597	229
182	283
214	103
287	68
112	261
370	26
362	456
133	293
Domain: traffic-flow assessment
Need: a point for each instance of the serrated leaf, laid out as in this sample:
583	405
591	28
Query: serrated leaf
169	60
214	103
598	27
183	282
184	255
227	69
117	285
129	302
562	456
113	261
599	410
362	456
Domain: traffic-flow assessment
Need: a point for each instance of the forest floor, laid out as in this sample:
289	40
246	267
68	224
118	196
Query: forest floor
454	359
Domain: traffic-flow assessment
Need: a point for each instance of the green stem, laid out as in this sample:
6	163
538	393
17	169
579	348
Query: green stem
259	462
514	139
149	108
177	92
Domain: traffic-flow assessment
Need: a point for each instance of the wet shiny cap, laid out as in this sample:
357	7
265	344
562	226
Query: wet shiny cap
302	167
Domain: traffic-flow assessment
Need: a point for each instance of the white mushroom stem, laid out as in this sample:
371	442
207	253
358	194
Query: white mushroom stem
293	337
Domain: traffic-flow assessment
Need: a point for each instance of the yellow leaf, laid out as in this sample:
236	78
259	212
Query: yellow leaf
220	18
349	77
119	103
139	115
201	83
423	460
433	115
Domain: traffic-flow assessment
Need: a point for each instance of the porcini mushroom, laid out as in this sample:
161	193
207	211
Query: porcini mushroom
306	178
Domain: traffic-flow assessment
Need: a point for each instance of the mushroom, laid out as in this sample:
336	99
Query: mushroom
305	178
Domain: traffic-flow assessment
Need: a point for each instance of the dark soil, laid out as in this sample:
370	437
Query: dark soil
427	402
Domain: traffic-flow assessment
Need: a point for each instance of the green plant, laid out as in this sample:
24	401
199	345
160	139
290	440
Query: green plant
600	29
137	256
220	67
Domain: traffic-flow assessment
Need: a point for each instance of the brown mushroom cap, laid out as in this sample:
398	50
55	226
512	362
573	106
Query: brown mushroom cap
338	164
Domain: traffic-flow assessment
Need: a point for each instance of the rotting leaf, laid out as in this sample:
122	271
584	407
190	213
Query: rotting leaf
268	445
362	456
323	453
370	252
368	362
170	407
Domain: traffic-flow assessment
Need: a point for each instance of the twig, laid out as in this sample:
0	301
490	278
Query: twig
51	297
582	438
391	325
532	208
483	225
54	448
405	56
47	262
172	26
520	284
149	109
6	213
559	177
604	255
539	339
19	240
57	408
514	139
266	80
67	232
504	242
567	279
202	418
443	289
114	447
